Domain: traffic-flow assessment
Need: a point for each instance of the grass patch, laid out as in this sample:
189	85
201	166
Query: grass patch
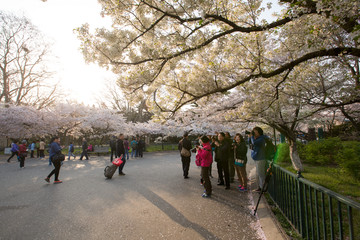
333	178
158	147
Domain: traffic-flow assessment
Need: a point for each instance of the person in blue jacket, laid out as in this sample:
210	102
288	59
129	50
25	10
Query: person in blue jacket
14	150
55	149
258	154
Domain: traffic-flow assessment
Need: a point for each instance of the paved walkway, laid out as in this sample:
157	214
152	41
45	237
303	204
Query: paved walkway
152	201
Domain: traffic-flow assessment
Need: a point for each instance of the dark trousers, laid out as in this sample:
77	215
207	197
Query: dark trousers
206	180
232	169
140	151
84	153
56	170
42	155
185	165
113	153
37	153
122	165
12	154
22	161
32	154
223	171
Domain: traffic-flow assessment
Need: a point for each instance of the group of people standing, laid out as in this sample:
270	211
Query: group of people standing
230	156
137	147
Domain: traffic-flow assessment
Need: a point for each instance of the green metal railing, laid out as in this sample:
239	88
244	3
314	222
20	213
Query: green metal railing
316	212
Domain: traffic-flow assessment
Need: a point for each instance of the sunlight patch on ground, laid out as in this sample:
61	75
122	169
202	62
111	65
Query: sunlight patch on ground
78	166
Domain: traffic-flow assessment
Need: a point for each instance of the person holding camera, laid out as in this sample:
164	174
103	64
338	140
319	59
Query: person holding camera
222	154
258	154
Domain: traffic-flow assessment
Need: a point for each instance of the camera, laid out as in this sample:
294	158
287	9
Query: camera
194	149
247	132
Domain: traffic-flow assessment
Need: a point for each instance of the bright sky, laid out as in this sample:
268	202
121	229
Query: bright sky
56	19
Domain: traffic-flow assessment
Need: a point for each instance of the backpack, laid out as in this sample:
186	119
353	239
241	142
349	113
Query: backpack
270	149
72	148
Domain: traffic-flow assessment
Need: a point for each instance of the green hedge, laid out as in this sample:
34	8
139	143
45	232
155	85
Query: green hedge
329	152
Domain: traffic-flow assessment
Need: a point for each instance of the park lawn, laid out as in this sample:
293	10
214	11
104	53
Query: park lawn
332	178
158	147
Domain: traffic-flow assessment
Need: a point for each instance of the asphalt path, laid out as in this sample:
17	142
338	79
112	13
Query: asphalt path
152	201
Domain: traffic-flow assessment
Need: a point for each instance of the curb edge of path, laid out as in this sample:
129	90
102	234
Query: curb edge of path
268	222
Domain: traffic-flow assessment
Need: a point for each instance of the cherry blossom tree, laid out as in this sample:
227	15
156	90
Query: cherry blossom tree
173	50
24	122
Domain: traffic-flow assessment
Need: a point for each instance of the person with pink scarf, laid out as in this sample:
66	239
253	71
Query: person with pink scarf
204	159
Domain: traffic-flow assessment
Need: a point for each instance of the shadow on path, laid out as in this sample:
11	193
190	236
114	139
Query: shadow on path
174	214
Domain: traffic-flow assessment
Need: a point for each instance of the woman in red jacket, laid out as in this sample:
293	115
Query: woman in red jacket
204	159
22	153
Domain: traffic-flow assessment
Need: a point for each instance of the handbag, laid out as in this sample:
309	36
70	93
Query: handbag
58	157
184	152
239	162
118	161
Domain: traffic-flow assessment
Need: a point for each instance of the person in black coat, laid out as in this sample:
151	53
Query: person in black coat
141	146
84	150
112	148
185	159
222	154
120	150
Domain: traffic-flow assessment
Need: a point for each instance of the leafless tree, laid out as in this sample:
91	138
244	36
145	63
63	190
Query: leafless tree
24	63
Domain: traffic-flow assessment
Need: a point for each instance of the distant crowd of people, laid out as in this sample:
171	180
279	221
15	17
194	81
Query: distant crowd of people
119	146
230	155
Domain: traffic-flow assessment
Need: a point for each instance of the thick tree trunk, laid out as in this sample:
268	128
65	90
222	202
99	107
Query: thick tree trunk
294	156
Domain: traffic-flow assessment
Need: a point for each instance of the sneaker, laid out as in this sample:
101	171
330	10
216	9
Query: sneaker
58	181
220	183
205	195
47	179
122	174
242	189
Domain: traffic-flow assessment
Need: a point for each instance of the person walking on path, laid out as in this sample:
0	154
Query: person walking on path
22	153
71	151
42	148
133	145
204	159
14	150
54	149
120	150
222	152
240	151
84	150
32	148
258	154
127	148
112	144
184	148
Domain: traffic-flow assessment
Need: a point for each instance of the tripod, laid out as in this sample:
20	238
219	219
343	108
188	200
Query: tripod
265	185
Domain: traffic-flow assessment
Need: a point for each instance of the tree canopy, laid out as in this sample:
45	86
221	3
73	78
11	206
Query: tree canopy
190	50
